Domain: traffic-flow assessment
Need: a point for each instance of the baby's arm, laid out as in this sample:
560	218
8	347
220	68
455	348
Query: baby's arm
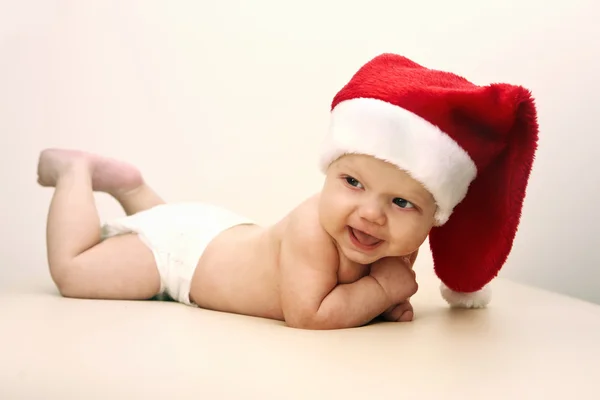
310	295
404	310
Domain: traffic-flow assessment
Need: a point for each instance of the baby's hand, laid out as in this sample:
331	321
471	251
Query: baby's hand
402	312
396	277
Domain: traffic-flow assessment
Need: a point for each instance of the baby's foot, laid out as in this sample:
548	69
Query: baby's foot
108	175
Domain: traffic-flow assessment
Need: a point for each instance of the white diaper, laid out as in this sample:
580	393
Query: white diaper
177	234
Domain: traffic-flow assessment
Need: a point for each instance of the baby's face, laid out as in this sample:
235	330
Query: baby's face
373	210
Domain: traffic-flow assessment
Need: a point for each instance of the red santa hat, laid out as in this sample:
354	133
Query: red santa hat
471	146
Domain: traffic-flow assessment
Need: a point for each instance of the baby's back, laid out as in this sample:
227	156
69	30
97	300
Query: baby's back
240	273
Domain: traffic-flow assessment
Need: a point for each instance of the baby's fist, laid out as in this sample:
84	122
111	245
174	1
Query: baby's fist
396	277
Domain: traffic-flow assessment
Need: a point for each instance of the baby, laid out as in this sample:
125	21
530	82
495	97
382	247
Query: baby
404	149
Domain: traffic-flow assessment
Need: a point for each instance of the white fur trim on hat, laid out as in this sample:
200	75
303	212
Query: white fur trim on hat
478	299
393	134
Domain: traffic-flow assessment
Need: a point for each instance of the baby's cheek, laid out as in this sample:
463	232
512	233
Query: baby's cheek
407	241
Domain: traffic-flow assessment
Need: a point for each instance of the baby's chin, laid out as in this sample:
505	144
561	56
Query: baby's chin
366	259
361	258
353	254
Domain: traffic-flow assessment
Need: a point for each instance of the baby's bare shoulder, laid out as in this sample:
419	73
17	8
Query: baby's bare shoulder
304	237
308	266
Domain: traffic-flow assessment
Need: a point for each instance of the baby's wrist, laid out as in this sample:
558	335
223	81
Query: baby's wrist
385	292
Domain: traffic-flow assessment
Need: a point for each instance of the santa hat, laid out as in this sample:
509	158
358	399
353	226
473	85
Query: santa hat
471	146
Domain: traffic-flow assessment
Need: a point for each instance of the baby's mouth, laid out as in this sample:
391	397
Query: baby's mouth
364	238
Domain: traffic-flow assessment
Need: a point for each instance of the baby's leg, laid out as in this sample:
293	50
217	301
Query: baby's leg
139	199
81	266
122	181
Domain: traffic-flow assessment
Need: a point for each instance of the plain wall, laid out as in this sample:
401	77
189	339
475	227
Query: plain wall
227	101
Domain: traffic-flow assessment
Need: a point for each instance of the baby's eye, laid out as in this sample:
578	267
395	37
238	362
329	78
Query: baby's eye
403	203
352	182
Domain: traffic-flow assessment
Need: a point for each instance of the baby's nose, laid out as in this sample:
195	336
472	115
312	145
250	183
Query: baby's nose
372	213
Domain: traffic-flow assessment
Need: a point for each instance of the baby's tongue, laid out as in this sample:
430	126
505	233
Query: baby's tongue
364	238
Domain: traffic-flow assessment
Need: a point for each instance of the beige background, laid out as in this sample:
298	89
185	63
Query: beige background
227	101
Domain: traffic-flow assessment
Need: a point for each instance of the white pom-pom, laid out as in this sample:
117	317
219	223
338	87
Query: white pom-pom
478	299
